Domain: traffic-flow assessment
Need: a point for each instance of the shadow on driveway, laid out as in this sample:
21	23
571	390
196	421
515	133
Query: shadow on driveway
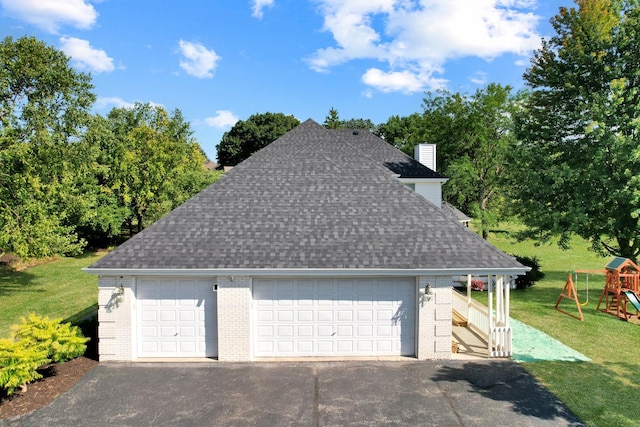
362	393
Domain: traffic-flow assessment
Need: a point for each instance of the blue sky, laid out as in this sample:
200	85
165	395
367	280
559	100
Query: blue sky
222	61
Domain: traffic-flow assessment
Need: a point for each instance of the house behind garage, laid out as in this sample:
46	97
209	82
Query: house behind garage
324	243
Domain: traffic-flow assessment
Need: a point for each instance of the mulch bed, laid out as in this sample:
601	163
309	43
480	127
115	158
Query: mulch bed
58	378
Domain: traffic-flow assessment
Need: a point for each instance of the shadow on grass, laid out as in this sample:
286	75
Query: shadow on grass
598	393
12	282
507	382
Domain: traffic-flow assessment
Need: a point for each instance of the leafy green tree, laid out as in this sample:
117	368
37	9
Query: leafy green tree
579	161
248	136
404	133
333	121
473	135
44	107
148	163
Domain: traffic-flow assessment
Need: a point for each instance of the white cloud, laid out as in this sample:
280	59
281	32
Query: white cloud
223	119
197	60
85	56
50	15
416	39
479	78
258	6
405	81
105	101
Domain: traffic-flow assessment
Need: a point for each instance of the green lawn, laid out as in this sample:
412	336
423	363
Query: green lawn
55	289
606	391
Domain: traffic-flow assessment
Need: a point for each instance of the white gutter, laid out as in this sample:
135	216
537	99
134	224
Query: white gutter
304	272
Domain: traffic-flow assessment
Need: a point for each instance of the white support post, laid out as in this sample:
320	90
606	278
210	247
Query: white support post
490	331
468	291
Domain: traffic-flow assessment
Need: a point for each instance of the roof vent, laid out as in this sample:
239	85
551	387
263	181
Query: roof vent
355	132
426	154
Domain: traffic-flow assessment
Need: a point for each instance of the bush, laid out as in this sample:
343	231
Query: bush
19	363
533	275
36	342
61	341
477	285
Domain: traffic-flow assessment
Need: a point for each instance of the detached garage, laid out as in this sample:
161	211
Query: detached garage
313	246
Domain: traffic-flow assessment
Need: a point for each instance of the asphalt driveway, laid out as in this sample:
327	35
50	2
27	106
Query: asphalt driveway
363	393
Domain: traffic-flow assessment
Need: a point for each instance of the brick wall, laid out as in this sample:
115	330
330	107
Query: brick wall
114	318
434	319
234	318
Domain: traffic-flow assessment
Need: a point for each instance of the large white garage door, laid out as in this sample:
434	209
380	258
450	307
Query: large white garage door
334	317
176	318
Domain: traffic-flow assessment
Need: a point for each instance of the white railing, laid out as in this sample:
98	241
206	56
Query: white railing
500	344
497	336
460	303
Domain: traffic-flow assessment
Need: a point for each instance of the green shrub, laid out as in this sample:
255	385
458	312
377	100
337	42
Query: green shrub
531	276
19	363
60	341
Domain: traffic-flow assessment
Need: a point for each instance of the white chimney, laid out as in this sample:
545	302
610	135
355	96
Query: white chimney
426	154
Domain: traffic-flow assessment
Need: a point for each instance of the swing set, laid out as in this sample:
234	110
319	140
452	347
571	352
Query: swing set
621	293
570	291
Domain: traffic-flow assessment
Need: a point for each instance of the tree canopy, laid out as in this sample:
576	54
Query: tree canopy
68	177
44	107
333	121
248	136
147	164
579	159
473	134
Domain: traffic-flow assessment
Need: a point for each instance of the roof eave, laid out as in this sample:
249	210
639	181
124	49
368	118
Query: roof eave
441	180
304	272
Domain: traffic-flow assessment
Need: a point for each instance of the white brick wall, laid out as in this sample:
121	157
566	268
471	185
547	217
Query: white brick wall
434	319
114	318
234	318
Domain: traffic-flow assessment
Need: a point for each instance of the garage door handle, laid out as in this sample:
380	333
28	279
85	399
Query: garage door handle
175	335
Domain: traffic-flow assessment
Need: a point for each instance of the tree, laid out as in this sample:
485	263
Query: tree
332	121
147	164
404	133
44	106
579	160
473	135
247	137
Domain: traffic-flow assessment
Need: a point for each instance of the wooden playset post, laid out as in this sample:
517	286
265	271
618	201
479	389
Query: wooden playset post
569	291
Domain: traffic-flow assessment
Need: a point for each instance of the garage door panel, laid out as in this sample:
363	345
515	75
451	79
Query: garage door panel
306	317
176	318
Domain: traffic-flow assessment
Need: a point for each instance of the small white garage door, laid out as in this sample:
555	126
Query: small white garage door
176	318
334	317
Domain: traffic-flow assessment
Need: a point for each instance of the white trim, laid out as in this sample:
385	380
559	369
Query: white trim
304	272
422	180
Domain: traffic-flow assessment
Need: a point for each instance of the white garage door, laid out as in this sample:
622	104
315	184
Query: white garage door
334	317
176	318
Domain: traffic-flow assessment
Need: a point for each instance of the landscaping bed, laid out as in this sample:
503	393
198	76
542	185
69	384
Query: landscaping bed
57	379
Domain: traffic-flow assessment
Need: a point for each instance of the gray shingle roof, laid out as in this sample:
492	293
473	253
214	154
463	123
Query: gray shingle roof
314	198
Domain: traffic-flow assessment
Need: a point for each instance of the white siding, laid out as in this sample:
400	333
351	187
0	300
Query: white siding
432	191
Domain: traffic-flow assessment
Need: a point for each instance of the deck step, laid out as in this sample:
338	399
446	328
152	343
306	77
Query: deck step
458	320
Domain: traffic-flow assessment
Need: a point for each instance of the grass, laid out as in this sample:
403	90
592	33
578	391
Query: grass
603	392
55	289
